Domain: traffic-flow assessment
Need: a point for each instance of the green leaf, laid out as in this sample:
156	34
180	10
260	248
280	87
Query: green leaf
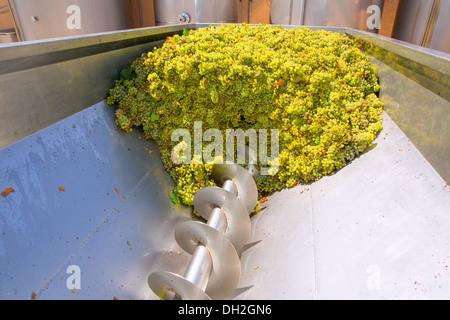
128	243
186	32
154	117
174	197
127	73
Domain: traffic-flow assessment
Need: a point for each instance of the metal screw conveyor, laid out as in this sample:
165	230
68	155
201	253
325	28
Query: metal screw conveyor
214	270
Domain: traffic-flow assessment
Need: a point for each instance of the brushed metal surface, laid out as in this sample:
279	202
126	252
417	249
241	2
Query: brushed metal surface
112	220
64	76
412	20
167	12
376	229
327	13
247	192
200	267
237	217
416	18
415	84
43	19
226	265
165	283
439	38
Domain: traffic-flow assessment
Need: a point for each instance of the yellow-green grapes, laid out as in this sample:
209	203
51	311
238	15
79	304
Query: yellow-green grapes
316	87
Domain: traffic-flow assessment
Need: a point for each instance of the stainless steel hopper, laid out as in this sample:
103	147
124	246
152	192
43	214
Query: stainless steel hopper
91	216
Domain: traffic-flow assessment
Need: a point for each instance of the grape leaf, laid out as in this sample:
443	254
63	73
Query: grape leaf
174	198
127	73
154	117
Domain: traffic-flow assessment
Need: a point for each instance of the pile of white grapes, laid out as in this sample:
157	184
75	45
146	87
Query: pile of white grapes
316	87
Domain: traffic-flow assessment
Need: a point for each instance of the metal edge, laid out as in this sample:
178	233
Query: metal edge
37	53
431	58
99	42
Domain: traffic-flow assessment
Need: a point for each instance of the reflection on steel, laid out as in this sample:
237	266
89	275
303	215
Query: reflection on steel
415	86
439	39
109	216
214	270
431	24
64	76
330	13
208	11
141	23
425	23
14	20
51	17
